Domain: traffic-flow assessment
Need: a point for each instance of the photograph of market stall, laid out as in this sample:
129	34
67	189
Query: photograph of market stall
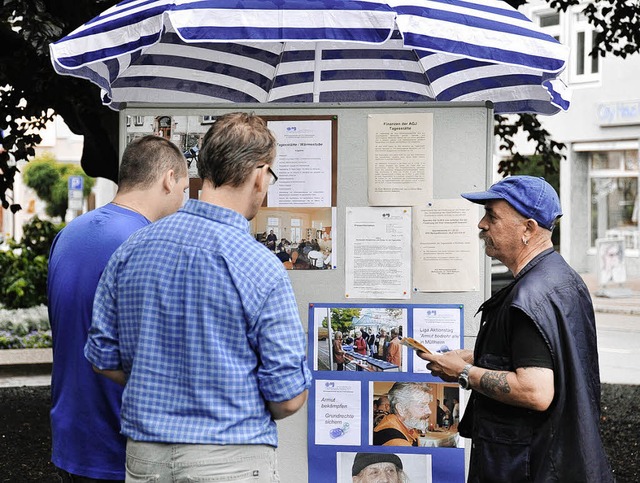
360	339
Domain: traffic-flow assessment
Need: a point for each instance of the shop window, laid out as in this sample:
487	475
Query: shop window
615	207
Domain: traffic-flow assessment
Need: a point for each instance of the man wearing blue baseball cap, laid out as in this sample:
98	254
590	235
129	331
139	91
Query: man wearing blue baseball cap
534	409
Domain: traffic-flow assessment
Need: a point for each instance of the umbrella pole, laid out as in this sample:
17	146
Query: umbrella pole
317	70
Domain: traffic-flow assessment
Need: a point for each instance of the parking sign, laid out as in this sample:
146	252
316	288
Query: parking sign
75	183
75	192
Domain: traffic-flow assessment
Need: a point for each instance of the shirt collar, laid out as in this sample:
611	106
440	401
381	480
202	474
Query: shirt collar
216	213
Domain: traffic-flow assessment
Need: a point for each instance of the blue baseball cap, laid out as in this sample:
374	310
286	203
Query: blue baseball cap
530	196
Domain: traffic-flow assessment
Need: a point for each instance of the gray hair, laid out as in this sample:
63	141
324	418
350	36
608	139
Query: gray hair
402	393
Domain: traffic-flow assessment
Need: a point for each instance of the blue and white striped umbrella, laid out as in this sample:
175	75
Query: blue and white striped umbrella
213	51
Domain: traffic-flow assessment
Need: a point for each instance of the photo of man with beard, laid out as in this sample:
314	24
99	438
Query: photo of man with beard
409	415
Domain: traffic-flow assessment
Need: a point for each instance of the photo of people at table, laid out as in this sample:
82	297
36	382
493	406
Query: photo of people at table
301	238
360	339
415	414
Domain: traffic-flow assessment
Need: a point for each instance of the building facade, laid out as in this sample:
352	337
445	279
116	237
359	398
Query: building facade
601	130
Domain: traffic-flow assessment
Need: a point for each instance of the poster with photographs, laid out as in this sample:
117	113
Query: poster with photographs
610	261
375	411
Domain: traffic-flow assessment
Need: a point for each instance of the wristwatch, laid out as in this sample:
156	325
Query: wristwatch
463	378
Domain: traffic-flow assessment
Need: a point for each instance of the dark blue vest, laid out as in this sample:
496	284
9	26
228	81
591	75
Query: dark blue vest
563	444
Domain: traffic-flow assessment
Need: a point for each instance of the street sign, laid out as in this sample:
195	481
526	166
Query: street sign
75	196
76	183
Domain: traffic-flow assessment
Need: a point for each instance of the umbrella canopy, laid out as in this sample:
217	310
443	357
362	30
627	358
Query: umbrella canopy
364	321
213	51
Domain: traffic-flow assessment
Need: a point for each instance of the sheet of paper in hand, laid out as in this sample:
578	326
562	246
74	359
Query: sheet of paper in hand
414	344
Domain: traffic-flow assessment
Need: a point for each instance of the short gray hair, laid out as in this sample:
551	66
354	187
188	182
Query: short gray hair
403	392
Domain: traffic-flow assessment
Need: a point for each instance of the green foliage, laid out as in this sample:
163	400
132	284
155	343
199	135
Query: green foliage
26	74
548	153
25	328
38	235
41	174
49	179
341	319
24	267
31	340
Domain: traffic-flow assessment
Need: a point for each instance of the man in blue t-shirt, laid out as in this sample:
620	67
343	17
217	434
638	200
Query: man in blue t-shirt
85	407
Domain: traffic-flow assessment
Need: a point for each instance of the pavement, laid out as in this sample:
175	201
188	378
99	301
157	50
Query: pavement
25	367
614	299
32	367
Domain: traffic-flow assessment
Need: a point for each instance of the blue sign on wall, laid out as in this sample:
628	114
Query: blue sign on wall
76	183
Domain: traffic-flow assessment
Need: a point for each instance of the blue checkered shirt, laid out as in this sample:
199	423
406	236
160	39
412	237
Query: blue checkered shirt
203	321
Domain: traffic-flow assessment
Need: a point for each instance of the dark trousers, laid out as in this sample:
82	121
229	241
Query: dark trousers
66	477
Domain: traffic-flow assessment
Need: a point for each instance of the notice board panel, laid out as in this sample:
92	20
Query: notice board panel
461	157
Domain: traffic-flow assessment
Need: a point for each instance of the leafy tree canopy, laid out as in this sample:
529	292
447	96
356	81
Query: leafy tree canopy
342	319
49	179
31	93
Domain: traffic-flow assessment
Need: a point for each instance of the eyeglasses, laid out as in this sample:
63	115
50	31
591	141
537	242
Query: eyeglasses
274	176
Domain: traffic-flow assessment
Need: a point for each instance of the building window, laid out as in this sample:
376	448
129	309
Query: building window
273	224
615	206
585	68
550	22
296	230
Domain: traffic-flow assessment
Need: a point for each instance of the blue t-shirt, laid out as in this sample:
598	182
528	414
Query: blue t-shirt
85	406
202	319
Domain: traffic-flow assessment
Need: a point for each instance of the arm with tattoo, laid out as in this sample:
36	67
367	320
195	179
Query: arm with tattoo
493	383
529	387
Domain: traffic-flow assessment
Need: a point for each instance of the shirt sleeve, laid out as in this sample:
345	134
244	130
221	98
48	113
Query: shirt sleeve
102	348
283	372
529	348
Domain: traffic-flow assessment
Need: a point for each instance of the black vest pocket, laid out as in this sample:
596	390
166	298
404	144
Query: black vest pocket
502	452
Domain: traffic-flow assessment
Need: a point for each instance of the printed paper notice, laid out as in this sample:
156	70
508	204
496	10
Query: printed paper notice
400	158
303	164
438	329
338	412
378	253
445	249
